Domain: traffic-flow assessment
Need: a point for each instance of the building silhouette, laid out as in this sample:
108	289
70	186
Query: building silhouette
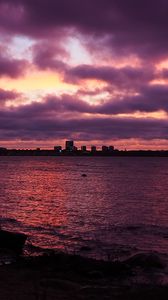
105	149
93	149
69	146
83	148
111	148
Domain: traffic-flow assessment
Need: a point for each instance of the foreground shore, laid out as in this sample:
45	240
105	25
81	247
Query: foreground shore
61	276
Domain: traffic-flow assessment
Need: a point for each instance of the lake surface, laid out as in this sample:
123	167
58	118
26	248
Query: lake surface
121	207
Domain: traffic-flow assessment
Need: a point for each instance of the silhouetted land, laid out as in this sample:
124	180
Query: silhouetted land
29	152
63	276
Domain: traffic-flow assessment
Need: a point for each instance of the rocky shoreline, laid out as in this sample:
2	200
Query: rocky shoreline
62	276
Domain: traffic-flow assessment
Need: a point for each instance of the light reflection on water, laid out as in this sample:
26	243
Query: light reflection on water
122	201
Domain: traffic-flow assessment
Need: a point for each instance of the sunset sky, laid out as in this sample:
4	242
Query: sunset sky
95	71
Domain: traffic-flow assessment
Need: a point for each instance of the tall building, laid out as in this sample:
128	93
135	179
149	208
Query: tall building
105	149
75	148
69	145
93	149
83	148
111	148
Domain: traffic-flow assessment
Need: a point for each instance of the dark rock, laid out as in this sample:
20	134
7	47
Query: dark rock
85	248
60	284
95	274
145	260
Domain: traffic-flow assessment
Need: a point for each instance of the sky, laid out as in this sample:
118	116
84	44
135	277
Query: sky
95	71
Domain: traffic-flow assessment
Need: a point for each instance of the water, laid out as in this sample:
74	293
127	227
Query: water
120	208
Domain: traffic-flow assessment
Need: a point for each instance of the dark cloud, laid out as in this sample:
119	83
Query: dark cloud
164	73
47	55
20	123
8	95
53	105
83	91
125	77
63	117
12	67
150	99
121	29
139	27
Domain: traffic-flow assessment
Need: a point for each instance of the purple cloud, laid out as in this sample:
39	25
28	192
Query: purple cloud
20	123
120	29
131	27
62	117
12	67
125	77
150	99
46	55
8	95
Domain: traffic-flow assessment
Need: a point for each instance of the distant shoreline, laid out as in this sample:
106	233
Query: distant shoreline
78	153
